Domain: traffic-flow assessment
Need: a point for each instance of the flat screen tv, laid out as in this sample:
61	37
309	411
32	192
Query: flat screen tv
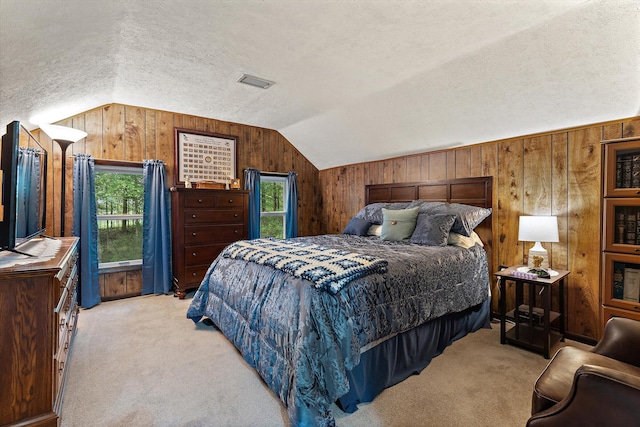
24	187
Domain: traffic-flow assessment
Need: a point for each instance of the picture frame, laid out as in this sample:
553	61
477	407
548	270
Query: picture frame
204	156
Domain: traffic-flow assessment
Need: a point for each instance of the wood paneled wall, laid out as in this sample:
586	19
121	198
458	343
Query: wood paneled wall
555	173
124	132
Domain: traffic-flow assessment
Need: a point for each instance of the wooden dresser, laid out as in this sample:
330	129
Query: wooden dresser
204	222
38	313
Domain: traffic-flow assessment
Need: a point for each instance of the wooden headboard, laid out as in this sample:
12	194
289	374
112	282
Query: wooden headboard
470	191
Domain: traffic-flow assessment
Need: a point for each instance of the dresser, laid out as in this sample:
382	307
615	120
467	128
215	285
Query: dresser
204	222
38	314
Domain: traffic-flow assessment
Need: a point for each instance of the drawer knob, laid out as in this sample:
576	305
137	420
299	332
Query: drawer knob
194	233
230	200
194	254
235	215
193	216
235	231
194	274
199	200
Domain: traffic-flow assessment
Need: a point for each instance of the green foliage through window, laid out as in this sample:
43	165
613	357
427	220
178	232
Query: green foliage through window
272	207
119	206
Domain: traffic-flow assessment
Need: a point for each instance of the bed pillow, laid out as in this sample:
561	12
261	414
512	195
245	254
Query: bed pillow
375	230
357	226
456	239
398	224
432	230
373	212
467	217
425	207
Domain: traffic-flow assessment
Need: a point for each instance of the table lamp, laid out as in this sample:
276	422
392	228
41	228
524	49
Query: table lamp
538	228
64	136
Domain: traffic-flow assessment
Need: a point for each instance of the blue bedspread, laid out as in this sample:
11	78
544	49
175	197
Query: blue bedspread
302	341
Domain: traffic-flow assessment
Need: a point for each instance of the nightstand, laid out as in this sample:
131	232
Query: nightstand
537	327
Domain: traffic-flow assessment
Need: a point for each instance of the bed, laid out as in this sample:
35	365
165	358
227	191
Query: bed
346	335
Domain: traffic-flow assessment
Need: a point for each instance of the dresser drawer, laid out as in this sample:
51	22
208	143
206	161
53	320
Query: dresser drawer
230	199
210	234
68	314
194	275
200	255
67	270
204	201
200	216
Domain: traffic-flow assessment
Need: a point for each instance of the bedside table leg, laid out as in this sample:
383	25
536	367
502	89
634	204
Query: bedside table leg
561	309
502	303
546	297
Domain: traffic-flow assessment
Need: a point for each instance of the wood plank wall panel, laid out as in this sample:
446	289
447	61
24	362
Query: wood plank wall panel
131	133
559	203
549	173
584	197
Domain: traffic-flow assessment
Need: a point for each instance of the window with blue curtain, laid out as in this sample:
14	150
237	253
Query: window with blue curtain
273	204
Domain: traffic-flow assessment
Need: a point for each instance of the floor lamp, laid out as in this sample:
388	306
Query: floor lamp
64	136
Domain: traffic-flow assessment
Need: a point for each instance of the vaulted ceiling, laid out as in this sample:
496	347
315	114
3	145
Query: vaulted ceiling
355	80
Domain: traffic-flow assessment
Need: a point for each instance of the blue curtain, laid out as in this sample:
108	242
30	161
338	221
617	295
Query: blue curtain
85	226
252	183
27	210
292	206
156	230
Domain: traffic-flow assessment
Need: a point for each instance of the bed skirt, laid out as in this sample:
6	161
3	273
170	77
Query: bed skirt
408	353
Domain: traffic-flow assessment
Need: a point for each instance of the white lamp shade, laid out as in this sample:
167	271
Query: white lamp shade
538	228
63	133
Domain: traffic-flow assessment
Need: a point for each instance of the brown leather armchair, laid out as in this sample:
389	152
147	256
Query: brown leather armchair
600	387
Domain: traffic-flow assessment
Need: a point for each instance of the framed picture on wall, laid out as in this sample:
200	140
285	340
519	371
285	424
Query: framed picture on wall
204	156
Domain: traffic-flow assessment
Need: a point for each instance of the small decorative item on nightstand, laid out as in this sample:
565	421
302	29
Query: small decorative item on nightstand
234	183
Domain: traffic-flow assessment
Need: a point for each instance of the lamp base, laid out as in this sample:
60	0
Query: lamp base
538	251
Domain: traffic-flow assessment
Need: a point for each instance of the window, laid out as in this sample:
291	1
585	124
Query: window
273	209
119	206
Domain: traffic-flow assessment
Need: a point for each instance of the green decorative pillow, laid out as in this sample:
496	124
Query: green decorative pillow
398	224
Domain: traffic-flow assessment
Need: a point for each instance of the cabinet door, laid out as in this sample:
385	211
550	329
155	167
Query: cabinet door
621	281
609	312
622	169
622	225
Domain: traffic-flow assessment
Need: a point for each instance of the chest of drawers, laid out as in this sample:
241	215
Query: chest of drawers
38	314
204	222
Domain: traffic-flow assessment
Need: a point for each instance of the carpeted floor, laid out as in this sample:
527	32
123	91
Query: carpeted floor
141	362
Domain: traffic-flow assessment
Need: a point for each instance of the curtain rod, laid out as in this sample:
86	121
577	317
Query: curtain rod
273	173
113	162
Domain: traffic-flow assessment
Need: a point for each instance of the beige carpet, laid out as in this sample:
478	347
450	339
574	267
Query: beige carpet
141	362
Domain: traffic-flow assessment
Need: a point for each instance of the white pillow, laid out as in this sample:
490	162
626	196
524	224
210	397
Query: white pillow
456	239
375	230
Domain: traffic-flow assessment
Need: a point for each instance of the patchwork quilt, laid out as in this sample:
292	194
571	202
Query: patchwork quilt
329	269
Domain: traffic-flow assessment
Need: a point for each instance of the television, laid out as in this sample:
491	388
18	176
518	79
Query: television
24	187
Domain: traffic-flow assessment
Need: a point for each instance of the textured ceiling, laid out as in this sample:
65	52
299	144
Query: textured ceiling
355	80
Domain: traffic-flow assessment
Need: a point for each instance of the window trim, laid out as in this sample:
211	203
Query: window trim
267	177
133	168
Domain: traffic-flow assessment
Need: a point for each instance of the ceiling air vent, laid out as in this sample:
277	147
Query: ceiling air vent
255	81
